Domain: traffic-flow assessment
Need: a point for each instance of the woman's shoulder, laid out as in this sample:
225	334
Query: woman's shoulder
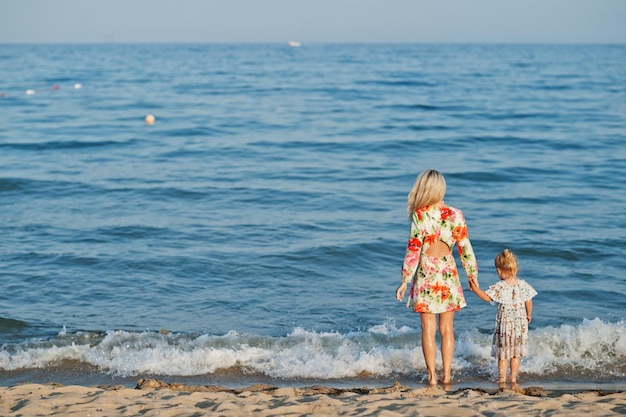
446	206
451	211
439	212
428	211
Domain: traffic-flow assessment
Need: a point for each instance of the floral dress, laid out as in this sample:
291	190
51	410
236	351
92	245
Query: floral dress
510	337
435	284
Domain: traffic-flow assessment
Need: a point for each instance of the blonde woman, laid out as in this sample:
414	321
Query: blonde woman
430	267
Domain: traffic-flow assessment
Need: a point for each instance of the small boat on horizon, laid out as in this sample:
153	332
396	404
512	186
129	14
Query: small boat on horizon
293	44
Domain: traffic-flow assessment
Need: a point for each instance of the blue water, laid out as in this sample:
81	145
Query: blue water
258	228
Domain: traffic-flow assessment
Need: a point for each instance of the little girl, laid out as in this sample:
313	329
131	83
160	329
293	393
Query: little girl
515	307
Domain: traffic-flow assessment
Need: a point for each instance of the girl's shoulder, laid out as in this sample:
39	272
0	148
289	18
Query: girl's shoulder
499	292
526	289
499	286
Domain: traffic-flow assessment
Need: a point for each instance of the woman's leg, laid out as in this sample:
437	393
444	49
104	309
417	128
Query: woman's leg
446	329
429	346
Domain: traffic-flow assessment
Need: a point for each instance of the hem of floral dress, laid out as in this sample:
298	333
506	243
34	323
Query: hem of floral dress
508	353
439	312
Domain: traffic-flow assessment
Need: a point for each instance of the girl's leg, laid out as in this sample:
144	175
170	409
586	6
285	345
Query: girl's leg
429	346
515	362
446	329
503	364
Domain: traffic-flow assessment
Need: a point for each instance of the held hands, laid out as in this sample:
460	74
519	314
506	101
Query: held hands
475	288
473	284
400	291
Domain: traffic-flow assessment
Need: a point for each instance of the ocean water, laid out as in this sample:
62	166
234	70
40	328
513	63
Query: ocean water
256	231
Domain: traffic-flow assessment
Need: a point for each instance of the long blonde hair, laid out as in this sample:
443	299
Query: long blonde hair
506	262
429	188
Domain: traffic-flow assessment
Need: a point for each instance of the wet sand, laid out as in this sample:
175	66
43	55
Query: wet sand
152	397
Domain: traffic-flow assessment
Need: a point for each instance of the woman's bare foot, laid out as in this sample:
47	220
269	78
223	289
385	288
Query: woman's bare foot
447	379
432	378
447	384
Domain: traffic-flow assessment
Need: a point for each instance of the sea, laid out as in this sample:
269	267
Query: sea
255	232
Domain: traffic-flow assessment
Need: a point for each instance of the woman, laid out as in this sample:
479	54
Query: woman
431	269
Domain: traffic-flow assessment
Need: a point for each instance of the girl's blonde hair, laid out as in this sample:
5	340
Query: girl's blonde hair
429	188
506	262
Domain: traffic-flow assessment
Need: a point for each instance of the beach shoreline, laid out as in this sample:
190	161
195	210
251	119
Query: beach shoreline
87	376
151	397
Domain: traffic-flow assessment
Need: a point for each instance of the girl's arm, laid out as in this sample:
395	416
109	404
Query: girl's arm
529	310
476	290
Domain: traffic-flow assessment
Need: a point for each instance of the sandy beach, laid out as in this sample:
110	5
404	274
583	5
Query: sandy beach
158	398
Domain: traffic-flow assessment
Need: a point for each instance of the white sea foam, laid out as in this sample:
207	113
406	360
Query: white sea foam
592	347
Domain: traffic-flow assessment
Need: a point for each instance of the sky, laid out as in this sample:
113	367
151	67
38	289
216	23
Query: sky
432	21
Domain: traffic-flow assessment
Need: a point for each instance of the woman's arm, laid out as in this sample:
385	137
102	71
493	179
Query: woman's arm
464	246
411	258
